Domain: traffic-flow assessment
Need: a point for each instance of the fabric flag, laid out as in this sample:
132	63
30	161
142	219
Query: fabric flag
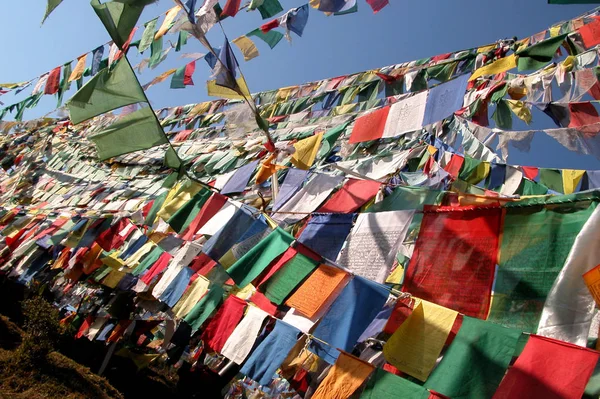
237	183
369	127
167	23
476	361
269	8
52	4
284	281
569	308
106	91
540	54
590	32
159	79
247	47
353	310
344	378
182	218
79	68
535	246
97	59
548	369
148	35
272	38
455	257
496	67
156	53
571	179
231	8
315	292
223	323
174	291
137	131
384	385
290	186
583	114
326	233
231	233
183	76
270	353
119	18
406	115
216	90
295	20
214	204
445	99
249	266
353	194
53	81
591	179
240	342
377	5
306	151
65	85
225	70
199	305
415	346
331	5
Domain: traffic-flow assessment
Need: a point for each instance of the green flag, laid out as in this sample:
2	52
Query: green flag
119	17
137	131
106	91
181	40
184	215
540	54
205	307
552	178
64	83
52	4
528	187
156	205
284	281
269	8
384	385
502	115
148	35
252	264
535	244
156	52
148	261
476	361
272	37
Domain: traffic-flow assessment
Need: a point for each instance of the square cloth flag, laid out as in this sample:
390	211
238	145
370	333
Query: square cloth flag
455	258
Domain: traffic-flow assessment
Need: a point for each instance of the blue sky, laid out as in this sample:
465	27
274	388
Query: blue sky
331	46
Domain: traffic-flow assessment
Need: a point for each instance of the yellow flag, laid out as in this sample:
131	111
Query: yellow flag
306	151
486	49
520	109
416	344
166	25
178	201
285	92
192	295
555	31
498	66
343	109
224	92
160	78
571	179
247	47
12	85
200	108
79	68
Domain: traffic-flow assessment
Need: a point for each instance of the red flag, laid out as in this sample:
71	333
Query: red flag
590	33
189	71
453	167
231	8
389	79
370	126
53	81
548	368
377	5
269	25
455	258
222	325
583	114
530	172
353	194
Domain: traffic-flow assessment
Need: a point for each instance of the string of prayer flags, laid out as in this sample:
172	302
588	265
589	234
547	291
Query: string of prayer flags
548	369
315	292
457	251
476	360
270	353
384	385
247	47
108	90
344	378
119	18
415	346
183	76
535	246
352	311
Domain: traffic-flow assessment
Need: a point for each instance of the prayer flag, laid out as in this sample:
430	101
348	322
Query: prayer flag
148	35
247	47
119	18
271	37
590	32
53	81
167	23
183	76
223	323
326	233
79	68
351	196
540	54
344	378
52	4
369	127
306	151
384	385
